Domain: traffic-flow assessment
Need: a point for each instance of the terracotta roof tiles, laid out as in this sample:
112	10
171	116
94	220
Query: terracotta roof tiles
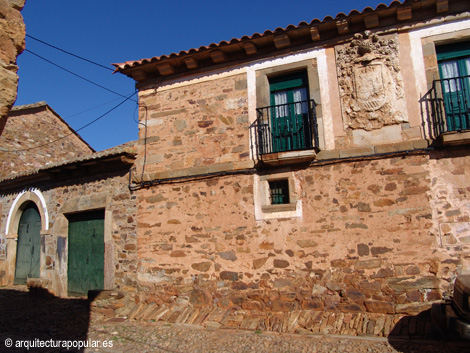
264	44
315	21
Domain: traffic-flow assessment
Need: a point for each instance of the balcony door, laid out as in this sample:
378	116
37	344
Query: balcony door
289	113
454	71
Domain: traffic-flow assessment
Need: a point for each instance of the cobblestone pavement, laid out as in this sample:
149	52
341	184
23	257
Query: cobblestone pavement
40	317
180	338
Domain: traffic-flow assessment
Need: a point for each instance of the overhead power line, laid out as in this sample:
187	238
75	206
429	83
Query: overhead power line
69	53
77	75
77	130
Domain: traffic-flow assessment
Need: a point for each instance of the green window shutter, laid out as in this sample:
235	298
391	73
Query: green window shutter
289	128
454	50
288	82
454	63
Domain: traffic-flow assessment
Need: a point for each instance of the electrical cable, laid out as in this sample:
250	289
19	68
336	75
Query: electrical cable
90	109
77	75
73	133
198	177
69	53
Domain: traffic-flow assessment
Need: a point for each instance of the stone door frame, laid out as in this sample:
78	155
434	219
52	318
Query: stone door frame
11	230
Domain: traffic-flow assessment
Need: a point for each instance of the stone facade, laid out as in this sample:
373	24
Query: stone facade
12	44
55	170
377	217
366	240
99	182
35	136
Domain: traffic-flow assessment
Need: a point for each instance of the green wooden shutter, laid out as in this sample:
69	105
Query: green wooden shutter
29	245
288	128
455	89
85	252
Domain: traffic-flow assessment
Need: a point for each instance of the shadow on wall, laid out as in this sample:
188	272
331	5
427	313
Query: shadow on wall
39	316
418	333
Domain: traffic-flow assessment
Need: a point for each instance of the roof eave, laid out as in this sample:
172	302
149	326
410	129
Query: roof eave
287	39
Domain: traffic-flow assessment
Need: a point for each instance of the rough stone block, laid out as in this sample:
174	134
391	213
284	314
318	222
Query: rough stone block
375	306
368	264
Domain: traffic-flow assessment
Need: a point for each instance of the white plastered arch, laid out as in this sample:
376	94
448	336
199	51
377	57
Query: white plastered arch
32	195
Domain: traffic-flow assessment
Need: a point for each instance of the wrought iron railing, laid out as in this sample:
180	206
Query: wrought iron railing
285	127
447	105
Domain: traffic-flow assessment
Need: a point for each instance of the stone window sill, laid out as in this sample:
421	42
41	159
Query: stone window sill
278	208
455	138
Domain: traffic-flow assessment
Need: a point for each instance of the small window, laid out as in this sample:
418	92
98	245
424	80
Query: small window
277	196
279	191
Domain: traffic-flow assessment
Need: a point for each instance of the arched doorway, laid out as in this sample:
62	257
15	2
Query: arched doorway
29	244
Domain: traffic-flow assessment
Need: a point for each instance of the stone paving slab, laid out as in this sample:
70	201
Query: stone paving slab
320	322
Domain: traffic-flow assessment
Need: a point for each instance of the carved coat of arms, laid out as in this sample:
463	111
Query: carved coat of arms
370	82
369	86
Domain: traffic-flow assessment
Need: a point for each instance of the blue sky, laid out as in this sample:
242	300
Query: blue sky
113	31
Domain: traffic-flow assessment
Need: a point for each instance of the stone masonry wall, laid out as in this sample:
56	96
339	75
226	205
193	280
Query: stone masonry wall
12	34
450	195
366	241
195	126
385	233
77	195
35	129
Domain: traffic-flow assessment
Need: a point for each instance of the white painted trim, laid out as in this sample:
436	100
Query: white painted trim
43	204
416	53
417	50
327	117
288	59
260	192
251	92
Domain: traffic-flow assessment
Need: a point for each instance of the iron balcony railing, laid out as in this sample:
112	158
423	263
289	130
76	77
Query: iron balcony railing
285	127
447	105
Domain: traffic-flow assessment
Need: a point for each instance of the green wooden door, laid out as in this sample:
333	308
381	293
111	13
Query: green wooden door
289	96
454	70
28	248
85	252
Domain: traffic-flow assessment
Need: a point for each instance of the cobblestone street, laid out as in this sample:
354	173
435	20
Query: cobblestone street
177	338
37	317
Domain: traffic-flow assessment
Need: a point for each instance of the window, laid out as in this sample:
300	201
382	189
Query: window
276	195
279	191
290	124
286	130
454	71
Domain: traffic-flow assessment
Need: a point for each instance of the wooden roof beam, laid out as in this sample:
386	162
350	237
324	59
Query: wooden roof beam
442	6
250	48
139	75
217	56
343	26
314	33
405	13
166	69
191	63
371	21
282	41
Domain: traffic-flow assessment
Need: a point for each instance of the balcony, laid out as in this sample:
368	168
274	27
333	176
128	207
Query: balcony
447	107
285	133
